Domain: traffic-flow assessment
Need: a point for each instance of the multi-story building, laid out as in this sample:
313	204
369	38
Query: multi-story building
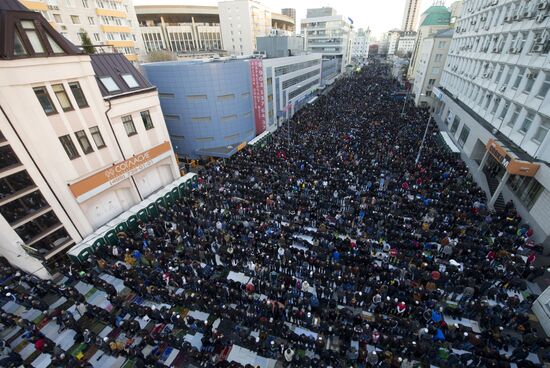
109	23
360	46
494	101
181	29
82	140
290	82
405	46
434	19
410	15
280	46
393	41
193	31
289	12
328	34
431	59
213	107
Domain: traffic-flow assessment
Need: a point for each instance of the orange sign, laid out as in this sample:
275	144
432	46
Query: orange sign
100	181
513	166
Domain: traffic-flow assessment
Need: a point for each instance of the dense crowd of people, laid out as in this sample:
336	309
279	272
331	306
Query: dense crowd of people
328	247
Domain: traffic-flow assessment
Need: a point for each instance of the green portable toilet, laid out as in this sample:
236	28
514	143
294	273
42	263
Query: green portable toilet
169	198
73	253
123	226
189	184
84	254
142	214
152	209
175	193
110	237
160	201
98	243
132	222
183	189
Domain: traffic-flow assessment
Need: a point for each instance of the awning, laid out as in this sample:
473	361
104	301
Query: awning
510	160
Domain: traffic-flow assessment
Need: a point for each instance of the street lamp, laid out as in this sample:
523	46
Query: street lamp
424	137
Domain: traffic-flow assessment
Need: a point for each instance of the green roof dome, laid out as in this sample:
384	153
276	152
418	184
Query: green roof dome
436	15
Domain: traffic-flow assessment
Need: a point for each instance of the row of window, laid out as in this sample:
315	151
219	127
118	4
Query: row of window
533	42
83	141
504	76
62	97
25	208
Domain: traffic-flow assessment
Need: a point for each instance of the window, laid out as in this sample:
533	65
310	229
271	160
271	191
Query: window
543	90
96	37
438	57
464	133
69	146
129	125
201	119
45	100
109	84
75	19
85	4
32	35
205	139
147	121
226	97
96	136
531	77
514	116
130	80
517	82
541	132
441	44
436	70
91	20
527	122
499	73
455	125
54	45
78	94
58	18
504	110
18	47
196	97
495	105
527	189
62	97
431	82
82	139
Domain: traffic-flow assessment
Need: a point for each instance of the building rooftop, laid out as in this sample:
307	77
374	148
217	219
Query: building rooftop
117	76
436	16
27	34
444	33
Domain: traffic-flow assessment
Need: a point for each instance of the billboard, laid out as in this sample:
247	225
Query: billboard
258	94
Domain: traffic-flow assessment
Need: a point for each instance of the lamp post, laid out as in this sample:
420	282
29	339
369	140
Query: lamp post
423	140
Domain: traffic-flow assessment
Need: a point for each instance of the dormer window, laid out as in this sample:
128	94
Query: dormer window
109	84
130	80
18	47
30	30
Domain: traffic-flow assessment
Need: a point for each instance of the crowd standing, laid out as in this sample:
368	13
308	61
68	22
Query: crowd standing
328	247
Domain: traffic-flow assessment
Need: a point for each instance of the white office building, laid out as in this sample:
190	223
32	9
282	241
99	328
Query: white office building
494	101
328	34
406	43
432	56
393	41
289	82
241	21
360	46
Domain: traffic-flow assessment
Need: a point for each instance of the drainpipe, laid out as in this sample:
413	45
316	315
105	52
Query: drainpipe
119	147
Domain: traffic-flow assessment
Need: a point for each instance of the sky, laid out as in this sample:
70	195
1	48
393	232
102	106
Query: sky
379	15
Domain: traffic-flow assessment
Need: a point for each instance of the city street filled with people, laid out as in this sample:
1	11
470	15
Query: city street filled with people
329	246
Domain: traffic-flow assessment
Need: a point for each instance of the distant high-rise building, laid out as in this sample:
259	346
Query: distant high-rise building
410	16
328	34
289	12
360	48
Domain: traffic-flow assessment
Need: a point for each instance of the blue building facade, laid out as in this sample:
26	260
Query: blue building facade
207	106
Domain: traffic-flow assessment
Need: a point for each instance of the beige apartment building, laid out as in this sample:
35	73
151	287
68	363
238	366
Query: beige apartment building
109	23
82	139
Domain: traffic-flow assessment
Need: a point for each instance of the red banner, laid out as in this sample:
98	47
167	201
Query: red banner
257	76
